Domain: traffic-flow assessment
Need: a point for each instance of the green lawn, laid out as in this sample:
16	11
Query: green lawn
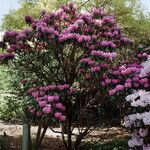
114	145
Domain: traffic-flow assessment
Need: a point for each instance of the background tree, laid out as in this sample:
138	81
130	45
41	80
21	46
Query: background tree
130	14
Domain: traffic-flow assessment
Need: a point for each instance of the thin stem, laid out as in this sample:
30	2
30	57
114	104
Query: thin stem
42	136
69	132
63	137
38	137
83	4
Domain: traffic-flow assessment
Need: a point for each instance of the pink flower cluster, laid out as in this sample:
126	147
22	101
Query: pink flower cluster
77	37
88	61
104	54
102	45
48	101
95	69
107	44
93	66
111	34
67	25
96	34
143	55
7	56
125	77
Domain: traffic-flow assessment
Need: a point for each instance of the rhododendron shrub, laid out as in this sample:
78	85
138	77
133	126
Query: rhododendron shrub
121	78
133	79
139	119
126	76
62	57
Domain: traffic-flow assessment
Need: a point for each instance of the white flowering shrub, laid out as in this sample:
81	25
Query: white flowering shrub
139	121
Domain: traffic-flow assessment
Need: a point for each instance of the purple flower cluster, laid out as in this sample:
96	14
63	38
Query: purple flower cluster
49	101
89	31
107	44
29	19
87	61
104	54
124	77
126	40
108	19
7	56
111	34
77	37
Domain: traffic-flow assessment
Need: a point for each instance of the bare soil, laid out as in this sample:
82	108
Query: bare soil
12	136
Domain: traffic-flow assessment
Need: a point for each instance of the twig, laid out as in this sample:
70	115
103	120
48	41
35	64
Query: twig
83	4
63	137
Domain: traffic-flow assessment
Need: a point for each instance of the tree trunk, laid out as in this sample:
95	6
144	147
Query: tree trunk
42	136
36	146
77	142
69	134
64	128
26	142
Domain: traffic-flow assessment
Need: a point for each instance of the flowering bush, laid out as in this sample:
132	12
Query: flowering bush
122	78
57	56
139	121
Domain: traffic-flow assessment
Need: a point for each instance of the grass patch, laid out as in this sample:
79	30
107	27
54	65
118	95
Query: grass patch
3	145
113	145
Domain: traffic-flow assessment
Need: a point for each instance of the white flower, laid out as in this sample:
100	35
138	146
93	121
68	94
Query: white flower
146	69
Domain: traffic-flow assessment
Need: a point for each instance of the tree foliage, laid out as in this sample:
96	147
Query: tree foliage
130	14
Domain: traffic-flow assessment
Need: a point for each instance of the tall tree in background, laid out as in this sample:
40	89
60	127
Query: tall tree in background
130	14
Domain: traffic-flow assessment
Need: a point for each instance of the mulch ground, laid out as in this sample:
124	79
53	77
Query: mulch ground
13	137
14	143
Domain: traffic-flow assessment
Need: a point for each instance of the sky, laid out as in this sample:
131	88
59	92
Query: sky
6	5
146	4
